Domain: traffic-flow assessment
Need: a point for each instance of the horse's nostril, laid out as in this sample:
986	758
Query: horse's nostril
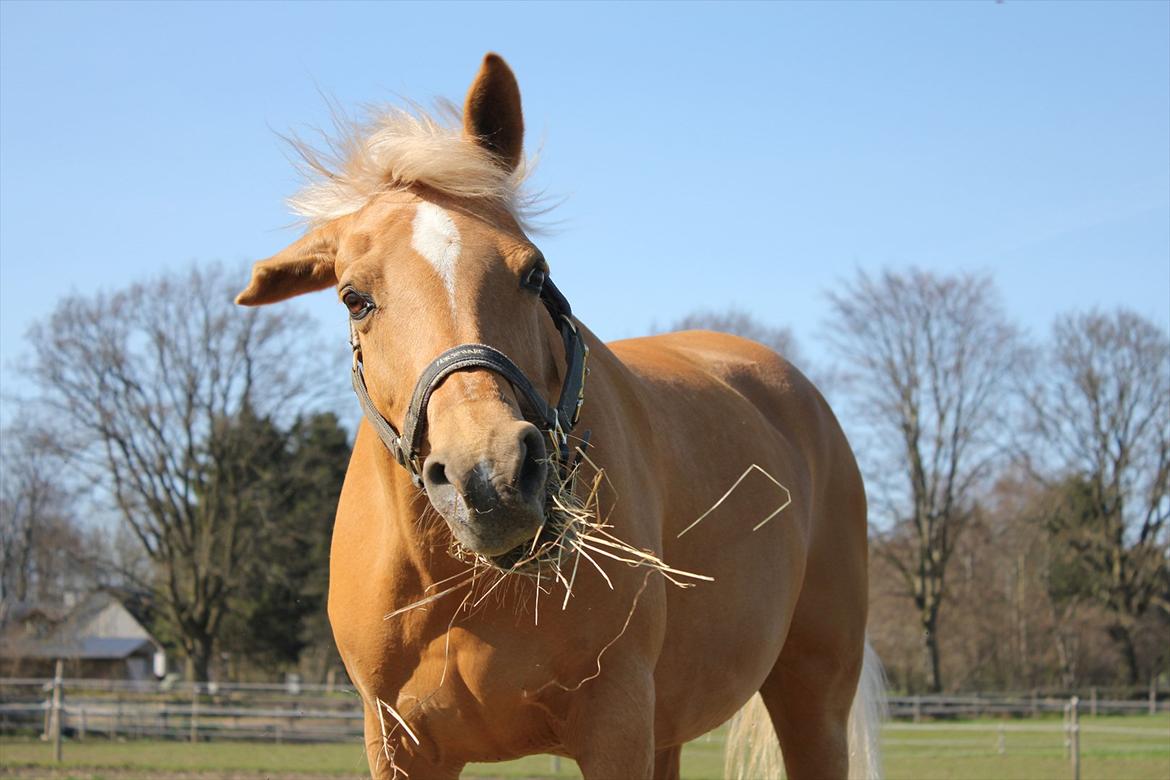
533	465
441	492
436	474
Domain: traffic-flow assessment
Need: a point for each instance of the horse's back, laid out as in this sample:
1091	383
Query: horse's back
703	364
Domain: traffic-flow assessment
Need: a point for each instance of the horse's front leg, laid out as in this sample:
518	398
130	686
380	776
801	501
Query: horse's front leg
610	732
392	756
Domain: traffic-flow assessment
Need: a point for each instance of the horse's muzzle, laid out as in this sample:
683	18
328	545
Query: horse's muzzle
492	506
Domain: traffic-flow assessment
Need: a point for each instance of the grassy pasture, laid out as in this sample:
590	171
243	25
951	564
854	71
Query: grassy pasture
961	751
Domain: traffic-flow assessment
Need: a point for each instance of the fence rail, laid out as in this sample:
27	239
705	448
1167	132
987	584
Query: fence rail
133	709
81	709
933	707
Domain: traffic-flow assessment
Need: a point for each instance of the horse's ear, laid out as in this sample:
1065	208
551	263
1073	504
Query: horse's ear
301	267
491	113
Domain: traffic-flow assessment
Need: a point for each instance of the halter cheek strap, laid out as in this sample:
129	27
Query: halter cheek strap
557	420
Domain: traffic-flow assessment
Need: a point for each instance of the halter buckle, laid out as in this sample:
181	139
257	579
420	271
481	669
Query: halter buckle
409	462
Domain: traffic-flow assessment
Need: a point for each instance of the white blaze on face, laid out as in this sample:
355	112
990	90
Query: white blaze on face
437	239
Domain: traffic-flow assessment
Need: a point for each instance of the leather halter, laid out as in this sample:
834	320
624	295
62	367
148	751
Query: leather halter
557	420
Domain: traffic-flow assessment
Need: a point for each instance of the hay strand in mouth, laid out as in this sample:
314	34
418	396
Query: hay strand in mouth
730	490
581	552
488	592
641	558
574	528
572	581
591	534
567	515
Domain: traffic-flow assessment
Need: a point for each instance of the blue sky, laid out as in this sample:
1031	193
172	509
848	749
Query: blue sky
708	154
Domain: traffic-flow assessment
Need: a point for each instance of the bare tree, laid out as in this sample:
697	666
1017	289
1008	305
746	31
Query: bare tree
154	387
924	358
1098	411
40	541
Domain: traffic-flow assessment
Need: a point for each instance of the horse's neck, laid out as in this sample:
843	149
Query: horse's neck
411	529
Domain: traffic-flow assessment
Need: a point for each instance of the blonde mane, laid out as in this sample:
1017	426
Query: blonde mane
395	148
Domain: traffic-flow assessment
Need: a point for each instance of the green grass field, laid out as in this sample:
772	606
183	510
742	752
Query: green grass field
1111	749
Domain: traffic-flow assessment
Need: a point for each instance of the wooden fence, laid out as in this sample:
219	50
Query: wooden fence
319	713
80	709
1023	705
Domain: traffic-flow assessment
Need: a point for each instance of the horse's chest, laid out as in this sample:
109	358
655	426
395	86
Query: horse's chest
482	702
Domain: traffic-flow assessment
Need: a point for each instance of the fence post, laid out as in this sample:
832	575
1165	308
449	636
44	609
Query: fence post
1001	742
194	711
1075	737
917	709
1153	695
55	720
1093	701
47	710
81	733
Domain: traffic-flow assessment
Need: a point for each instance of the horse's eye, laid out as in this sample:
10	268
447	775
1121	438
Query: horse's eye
534	279
359	305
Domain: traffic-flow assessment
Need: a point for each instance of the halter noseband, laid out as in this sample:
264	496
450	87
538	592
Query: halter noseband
557	420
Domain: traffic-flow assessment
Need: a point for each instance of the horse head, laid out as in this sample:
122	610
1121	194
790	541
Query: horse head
418	227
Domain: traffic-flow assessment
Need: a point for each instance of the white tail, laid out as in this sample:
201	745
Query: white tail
753	752
865	719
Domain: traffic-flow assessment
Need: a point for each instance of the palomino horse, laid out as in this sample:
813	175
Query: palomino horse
497	589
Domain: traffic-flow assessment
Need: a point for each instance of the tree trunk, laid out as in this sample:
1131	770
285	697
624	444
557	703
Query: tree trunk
1121	635
930	635
1066	655
199	652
